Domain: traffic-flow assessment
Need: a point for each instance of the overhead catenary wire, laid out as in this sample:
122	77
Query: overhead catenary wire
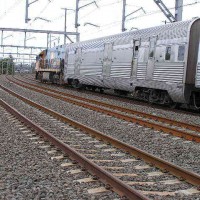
14	5
101	3
116	23
104	5
158	11
39	14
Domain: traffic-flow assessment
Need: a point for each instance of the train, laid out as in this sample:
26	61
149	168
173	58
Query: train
159	64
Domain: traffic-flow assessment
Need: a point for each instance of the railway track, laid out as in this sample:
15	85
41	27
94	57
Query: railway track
124	190
176	128
138	166
124	98
45	160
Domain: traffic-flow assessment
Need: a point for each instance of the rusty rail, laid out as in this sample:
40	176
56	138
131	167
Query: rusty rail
173	131
117	185
179	172
130	111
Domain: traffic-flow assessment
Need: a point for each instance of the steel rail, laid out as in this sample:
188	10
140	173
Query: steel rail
116	184
165	166
172	131
135	112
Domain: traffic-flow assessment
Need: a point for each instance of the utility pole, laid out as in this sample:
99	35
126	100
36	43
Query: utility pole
65	27
76	16
65	24
76	20
26	9
178	10
123	15
26	13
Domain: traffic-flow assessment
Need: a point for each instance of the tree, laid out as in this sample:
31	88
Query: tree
6	65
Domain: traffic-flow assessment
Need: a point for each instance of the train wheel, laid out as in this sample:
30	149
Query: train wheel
101	91
76	84
174	105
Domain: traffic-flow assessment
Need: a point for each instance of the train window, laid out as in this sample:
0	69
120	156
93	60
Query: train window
152	47
136	48
181	52
136	51
168	53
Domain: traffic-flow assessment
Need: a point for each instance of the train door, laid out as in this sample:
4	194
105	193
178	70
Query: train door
136	45
77	64
107	60
151	58
197	81
66	59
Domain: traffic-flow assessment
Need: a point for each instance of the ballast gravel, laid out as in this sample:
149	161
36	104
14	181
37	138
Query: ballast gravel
130	104
55	128
27	171
178	151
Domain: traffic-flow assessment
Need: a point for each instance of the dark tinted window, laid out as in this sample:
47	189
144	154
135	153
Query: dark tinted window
152	48
136	51
168	53
136	48
181	53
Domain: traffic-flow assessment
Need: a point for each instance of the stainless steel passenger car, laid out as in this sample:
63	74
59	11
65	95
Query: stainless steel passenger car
159	64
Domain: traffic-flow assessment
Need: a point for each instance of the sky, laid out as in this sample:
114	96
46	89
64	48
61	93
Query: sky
107	16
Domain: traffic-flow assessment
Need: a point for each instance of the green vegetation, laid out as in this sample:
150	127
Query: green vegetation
6	65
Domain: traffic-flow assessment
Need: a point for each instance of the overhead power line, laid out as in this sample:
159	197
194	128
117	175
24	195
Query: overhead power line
40	13
116	23
14	5
158	11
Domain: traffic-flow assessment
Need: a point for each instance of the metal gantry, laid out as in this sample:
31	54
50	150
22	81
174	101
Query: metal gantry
160	4
35	31
168	14
65	25
25	31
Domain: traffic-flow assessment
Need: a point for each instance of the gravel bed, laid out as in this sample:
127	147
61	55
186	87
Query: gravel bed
138	117
143	108
41	118
178	151
27	172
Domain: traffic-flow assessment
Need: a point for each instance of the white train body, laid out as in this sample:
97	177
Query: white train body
165	58
158	64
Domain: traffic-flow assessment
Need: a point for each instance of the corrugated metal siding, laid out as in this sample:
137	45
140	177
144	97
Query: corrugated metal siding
91	80
89	70
70	66
198	76
123	84
141	71
70	69
169	72
164	32
122	71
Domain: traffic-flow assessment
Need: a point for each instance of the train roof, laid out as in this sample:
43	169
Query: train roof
163	32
